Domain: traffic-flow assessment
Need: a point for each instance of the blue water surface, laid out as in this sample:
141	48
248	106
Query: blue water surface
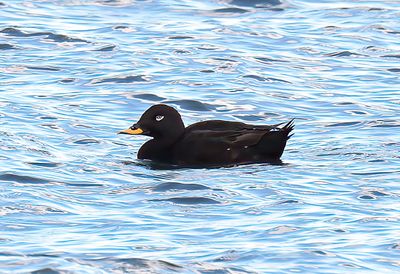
74	199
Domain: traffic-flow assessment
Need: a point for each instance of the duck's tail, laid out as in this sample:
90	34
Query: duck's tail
273	142
288	128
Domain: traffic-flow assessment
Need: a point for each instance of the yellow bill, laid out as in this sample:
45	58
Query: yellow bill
130	131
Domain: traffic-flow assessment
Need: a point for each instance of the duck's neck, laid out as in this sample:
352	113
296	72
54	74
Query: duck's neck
158	149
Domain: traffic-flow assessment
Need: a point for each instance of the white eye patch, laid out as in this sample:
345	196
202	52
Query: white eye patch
159	118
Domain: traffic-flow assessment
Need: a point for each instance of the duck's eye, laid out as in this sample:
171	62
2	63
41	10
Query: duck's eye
159	118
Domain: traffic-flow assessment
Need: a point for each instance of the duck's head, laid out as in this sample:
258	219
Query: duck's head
160	122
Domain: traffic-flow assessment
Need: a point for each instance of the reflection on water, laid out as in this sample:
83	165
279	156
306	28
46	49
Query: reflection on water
75	199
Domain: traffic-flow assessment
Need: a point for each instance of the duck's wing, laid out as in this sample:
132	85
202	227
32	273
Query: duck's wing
220	125
228	138
203	144
210	147
236	133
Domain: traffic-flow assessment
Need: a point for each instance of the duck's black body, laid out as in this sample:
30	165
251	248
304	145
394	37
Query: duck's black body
208	143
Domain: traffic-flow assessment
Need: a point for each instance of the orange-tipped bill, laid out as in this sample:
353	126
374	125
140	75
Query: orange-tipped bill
131	131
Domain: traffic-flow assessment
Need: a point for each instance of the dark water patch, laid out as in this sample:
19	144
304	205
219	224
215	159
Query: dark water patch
339	230
265	79
59	38
366	197
207	71
14	32
67	80
43	68
344	53
106	48
178	186
48	271
378	193
39	255
225	59
53	126
320	253
149	97
343	124
372	194
384	123
192	105
44	163
395	246
128	79
375	49
2	4
290	201
266	60
188	200
86	141
339	153
230	10
377	161
255	3
271	79
9	177
7	47
375	173
10	254
258	78
331	28
180	37
358	112
121	27
47	118
391	144
394	69
182	51
392	55
344	103
353	153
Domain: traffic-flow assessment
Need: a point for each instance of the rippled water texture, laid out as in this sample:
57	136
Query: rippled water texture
74	199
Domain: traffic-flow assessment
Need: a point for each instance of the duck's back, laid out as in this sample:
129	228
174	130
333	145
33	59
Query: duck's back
215	143
220	125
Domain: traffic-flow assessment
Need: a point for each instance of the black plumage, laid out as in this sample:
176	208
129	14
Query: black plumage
208	143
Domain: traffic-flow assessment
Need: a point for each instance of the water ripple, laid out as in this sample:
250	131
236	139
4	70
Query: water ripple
74	198
22	179
58	38
126	79
188	200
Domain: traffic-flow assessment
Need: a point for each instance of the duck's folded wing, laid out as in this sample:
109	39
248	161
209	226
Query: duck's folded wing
203	144
217	143
220	125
